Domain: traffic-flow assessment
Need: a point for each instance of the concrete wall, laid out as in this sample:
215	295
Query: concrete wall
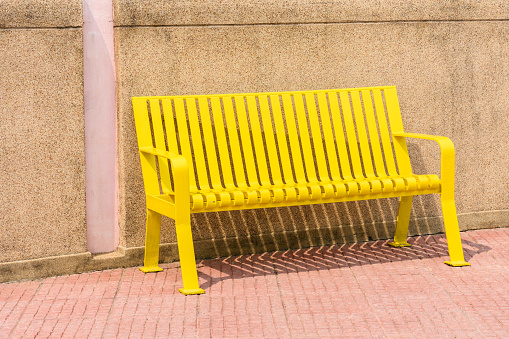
448	61
42	178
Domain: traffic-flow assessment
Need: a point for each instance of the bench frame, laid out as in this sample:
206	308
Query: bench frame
176	204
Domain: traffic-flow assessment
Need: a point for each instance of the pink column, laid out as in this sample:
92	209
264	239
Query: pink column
100	126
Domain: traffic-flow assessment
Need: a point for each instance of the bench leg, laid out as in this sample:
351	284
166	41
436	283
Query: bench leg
405	205
152	238
186	253
452	233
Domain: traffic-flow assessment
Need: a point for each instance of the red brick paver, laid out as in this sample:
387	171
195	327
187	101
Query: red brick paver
365	290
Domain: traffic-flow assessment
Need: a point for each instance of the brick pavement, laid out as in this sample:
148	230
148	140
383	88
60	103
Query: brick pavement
364	290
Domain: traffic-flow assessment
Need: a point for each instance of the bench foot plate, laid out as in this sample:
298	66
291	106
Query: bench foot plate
189	291
457	263
399	244
148	269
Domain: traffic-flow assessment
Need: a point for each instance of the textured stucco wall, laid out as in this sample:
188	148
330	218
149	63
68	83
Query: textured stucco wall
248	12
448	61
42	171
41	13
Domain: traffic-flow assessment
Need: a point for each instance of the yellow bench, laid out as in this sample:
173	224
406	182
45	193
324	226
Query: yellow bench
291	148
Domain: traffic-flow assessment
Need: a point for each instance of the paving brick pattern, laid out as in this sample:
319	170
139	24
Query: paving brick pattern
364	290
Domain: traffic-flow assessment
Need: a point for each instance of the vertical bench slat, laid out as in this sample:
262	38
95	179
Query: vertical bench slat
142	121
317	137
281	139
157	125
346	171
199	156
270	143
222	145
294	138
309	159
247	148
169	124
185	145
362	135
261	160
351	137
373	133
391	100
384	132
209	141
148	161
332	155
233	137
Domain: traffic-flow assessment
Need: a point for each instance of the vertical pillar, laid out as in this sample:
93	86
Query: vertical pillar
100	127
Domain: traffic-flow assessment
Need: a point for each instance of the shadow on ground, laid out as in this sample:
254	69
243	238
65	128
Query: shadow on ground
329	257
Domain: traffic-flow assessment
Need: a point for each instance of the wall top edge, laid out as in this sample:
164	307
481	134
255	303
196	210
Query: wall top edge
244	12
41	13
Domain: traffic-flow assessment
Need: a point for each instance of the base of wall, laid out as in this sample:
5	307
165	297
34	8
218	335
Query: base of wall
213	248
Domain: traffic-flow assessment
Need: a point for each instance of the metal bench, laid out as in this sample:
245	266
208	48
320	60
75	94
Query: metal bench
290	148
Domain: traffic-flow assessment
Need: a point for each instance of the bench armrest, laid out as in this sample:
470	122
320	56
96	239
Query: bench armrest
180	169
446	159
155	151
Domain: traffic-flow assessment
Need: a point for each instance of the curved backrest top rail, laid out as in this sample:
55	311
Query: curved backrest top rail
261	139
258	93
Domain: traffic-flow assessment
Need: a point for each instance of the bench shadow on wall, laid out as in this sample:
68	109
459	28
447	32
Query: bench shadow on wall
224	234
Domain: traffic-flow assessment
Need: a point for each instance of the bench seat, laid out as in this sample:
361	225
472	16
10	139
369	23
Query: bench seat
297	194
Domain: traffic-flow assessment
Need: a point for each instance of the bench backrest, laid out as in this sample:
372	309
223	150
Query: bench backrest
241	140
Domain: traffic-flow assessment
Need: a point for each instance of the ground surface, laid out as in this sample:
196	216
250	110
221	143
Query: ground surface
360	290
